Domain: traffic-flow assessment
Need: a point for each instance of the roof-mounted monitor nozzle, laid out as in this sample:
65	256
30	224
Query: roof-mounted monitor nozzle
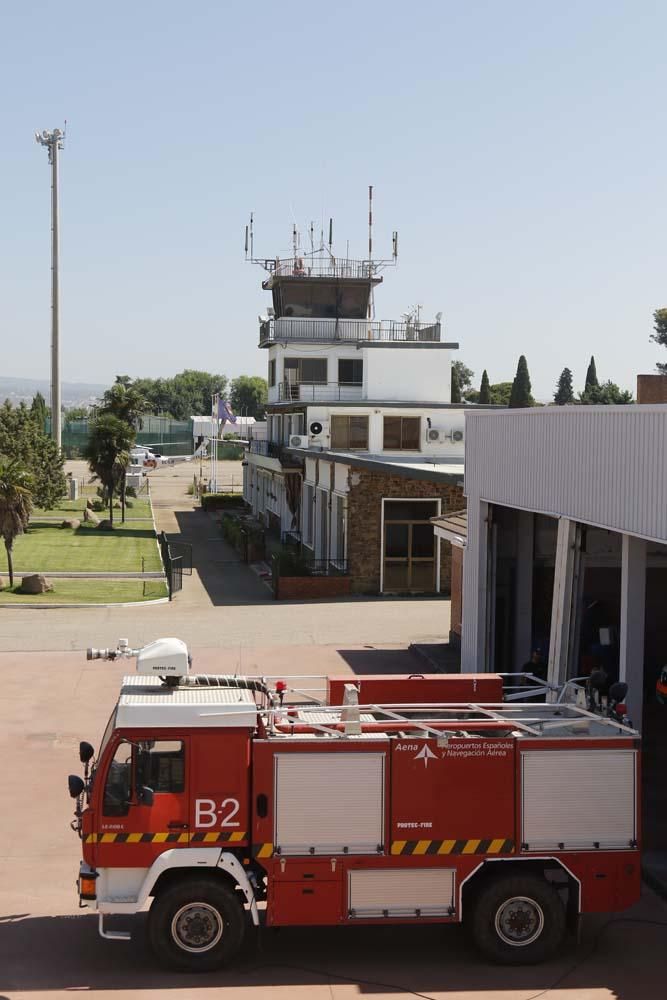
165	658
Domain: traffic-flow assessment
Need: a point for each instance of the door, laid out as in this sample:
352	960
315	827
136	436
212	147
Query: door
131	830
409	546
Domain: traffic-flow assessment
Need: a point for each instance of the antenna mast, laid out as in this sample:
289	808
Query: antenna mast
54	142
370	224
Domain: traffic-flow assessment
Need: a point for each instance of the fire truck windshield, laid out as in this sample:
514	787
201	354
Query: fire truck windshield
111	725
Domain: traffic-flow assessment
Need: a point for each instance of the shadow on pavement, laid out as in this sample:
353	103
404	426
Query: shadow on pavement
226	579
382	661
51	953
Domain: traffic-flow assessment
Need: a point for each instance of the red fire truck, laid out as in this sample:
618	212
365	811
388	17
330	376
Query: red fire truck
365	800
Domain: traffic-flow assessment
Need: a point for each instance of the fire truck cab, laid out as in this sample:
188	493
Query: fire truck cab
219	801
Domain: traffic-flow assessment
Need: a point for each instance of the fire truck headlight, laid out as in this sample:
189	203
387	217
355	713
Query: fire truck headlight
75	785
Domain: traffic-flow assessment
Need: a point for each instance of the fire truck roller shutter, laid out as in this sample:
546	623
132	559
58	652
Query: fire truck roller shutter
579	799
329	803
412	892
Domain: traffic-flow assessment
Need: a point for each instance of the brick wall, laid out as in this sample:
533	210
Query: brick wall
364	522
306	588
652	388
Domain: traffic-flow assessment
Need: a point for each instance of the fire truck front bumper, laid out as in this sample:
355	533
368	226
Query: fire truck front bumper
86	884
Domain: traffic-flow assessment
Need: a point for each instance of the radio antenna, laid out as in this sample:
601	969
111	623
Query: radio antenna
252	237
312	239
330	234
370	223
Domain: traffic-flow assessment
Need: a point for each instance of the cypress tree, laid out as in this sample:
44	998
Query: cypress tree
591	376
520	395
659	336
484	389
456	388
564	392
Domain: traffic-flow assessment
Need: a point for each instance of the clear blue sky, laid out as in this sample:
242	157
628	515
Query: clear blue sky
519	148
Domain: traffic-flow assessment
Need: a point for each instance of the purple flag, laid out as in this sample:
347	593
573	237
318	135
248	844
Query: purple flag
225	412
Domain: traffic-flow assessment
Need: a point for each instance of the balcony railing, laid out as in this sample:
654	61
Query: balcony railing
346	330
322	267
311	391
270	449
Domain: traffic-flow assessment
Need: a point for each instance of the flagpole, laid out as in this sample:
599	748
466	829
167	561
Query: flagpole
214	443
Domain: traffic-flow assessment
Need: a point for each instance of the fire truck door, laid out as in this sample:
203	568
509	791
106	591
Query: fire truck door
144	802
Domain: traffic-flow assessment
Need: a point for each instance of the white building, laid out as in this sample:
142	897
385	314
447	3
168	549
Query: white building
359	422
566	548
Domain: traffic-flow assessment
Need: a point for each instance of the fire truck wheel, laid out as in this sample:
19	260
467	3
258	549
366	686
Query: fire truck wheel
517	920
196	925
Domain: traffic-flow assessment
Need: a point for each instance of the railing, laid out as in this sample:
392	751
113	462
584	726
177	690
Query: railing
270	449
322	267
292	564
288	328
174	564
319	390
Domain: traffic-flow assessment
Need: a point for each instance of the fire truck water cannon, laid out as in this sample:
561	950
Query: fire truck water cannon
165	658
335	801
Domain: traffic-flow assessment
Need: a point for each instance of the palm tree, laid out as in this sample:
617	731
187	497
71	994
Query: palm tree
108	453
15	506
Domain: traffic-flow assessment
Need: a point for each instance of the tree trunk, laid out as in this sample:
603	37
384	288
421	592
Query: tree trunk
122	501
111	505
10	562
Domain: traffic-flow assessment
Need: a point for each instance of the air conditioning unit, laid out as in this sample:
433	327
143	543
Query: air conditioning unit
434	435
298	441
318	429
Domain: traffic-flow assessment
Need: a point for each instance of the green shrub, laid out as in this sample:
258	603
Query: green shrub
217	501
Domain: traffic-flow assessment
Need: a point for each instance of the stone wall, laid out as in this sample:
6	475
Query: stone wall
364	522
652	388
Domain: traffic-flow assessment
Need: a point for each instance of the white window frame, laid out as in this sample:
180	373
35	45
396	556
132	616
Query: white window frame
308	504
340	501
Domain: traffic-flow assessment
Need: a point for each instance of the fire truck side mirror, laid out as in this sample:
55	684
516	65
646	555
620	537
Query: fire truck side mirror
86	752
76	785
145	795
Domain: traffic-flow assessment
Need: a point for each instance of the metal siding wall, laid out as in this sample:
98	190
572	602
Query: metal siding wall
601	465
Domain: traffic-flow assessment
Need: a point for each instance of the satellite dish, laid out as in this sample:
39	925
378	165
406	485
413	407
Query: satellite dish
315	427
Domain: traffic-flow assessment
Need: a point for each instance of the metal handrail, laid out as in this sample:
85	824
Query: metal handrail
348	330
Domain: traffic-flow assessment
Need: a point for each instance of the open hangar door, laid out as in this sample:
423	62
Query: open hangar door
522	566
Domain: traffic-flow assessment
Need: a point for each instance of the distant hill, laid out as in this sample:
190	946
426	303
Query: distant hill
72	393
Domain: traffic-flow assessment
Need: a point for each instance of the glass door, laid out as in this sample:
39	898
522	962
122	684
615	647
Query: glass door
409	556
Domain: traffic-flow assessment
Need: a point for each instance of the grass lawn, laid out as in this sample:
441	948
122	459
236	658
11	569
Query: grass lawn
74	508
89	592
48	547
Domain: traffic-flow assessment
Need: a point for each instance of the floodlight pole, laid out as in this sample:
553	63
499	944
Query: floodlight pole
54	142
